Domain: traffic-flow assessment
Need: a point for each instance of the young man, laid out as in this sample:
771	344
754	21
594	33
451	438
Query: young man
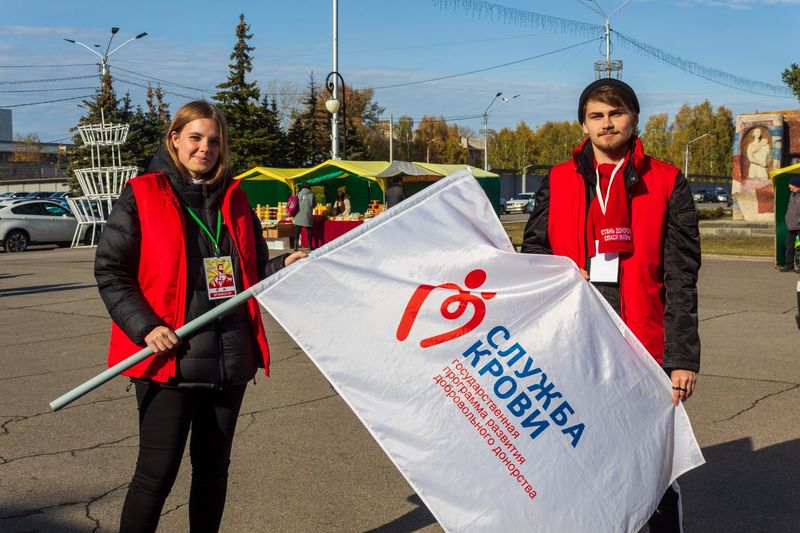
629	223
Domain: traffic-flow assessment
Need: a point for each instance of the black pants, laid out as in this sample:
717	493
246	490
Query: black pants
308	243
165	415
668	516
788	255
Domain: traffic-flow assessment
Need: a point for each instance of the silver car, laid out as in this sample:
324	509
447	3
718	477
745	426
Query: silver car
523	202
35	222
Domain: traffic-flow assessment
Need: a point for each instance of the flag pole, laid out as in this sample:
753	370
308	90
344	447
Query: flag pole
141	355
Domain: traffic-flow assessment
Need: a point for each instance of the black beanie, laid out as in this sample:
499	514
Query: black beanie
794	180
600	83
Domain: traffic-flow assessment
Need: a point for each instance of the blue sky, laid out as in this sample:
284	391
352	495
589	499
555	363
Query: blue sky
385	43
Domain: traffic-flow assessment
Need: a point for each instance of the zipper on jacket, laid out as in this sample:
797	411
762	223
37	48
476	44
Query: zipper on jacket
222	374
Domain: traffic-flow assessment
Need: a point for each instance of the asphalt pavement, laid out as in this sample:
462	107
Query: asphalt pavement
301	459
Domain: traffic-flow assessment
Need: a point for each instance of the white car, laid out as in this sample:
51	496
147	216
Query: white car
521	203
35	222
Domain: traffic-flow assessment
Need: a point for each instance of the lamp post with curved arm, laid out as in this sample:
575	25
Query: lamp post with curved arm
105	55
491	106
686	161
333	104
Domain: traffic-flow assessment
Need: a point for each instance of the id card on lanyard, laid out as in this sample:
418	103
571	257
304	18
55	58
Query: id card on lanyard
604	268
220	282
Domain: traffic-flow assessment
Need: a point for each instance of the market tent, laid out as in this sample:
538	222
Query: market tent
489	181
267	185
780	185
358	177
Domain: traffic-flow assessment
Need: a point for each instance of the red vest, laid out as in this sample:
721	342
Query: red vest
162	267
642	272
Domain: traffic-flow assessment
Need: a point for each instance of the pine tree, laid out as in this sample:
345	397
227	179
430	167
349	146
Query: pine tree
309	134
239	99
791	77
147	129
273	140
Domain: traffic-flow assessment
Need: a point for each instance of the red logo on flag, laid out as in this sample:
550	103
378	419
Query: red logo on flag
452	307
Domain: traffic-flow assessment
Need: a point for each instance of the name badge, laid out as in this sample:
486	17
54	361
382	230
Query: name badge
604	267
219	277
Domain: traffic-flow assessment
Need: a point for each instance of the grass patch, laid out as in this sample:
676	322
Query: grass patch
718	213
515	231
748	246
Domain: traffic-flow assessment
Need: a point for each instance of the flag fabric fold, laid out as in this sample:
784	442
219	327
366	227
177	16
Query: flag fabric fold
501	385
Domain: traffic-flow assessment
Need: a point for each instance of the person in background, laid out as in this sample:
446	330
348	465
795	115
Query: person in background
342	204
180	240
629	222
792	219
304	217
395	194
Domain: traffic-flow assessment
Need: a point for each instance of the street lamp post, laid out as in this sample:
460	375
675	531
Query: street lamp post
428	149
686	164
333	104
491	106
105	55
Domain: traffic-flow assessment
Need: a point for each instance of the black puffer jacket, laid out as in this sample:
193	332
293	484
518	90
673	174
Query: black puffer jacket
223	353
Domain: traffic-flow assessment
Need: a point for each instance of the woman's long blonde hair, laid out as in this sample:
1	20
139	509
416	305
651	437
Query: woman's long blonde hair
186	114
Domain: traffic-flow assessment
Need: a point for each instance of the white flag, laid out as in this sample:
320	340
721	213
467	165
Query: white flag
507	392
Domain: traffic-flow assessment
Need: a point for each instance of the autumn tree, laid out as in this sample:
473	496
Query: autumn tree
710	154
656	136
27	149
430	136
555	141
404	132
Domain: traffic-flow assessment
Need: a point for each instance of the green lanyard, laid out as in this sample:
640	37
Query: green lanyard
215	240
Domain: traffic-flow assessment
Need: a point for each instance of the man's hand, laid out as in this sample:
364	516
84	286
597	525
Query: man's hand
682	385
161	340
585	274
294	257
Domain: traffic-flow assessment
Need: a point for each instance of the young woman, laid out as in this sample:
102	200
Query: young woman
180	240
342	204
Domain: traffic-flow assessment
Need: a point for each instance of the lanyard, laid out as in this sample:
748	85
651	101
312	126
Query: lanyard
215	240
603	202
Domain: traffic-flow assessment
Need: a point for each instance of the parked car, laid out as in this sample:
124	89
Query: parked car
523	202
7	194
35	222
61	194
705	195
38	195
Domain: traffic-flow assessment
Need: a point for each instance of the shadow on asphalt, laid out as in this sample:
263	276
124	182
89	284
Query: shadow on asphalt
8	276
38	520
411	521
38	289
739	489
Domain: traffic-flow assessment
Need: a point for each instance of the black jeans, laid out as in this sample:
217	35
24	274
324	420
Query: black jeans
668	516
307	243
788	254
165	415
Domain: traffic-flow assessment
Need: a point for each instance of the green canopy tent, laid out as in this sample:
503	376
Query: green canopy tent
780	184
429	173
357	177
267	185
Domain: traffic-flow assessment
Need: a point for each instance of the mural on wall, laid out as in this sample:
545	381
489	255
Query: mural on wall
757	151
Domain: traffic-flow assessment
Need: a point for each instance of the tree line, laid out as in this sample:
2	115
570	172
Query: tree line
268	129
